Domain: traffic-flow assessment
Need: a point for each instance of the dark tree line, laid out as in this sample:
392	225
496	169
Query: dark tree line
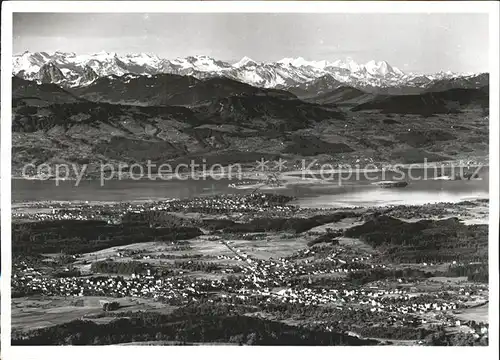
182	327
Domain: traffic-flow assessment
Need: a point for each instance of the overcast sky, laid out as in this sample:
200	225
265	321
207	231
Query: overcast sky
412	42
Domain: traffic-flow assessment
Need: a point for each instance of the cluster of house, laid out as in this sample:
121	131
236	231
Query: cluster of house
263	273
138	286
259	282
265	280
375	301
225	257
183	288
277	272
55	215
71	211
228	203
113	213
325	252
477	328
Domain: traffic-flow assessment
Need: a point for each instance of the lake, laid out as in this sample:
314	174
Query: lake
357	191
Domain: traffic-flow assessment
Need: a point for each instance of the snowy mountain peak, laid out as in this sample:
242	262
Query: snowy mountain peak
245	61
372	67
348	64
378	67
300	61
50	73
69	69
105	53
62	53
196	63
88	76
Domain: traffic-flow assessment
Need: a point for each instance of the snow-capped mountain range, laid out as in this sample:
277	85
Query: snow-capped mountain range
72	70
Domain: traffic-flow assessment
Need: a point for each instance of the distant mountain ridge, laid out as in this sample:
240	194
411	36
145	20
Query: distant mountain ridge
71	70
168	89
430	103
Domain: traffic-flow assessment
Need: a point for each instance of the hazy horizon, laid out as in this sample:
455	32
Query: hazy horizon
424	43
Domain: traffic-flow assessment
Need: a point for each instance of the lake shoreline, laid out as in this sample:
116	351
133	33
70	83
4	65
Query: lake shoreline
226	173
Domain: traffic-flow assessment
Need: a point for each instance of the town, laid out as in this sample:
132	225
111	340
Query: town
257	254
